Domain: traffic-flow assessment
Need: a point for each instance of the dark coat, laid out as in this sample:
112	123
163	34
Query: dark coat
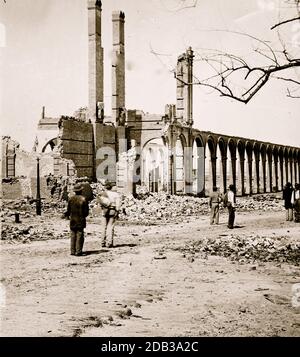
287	196
77	210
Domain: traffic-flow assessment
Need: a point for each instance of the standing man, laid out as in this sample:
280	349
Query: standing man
297	203
214	202
77	211
288	204
110	202
231	206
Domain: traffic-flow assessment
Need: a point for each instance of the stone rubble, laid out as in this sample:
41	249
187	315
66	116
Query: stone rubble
160	207
247	249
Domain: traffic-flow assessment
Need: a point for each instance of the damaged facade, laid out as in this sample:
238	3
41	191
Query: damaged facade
164	152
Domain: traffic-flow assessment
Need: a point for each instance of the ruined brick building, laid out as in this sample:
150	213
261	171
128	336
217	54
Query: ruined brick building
164	152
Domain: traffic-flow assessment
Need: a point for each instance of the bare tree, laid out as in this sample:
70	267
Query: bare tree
238	78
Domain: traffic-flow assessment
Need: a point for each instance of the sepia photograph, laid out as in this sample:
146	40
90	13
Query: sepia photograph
150	170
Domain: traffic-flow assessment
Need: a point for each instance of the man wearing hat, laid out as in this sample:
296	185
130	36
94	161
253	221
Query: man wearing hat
110	210
77	211
231	206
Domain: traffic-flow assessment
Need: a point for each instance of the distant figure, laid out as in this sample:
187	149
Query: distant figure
231	201
77	211
287	197
49	180
297	203
214	203
53	187
64	193
110	203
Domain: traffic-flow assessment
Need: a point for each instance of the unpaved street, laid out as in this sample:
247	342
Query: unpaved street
150	284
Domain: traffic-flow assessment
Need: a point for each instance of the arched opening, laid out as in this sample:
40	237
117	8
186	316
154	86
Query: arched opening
248	181
155	165
275	171
221	166
295	166
256	168
262	169
210	166
291	168
240	169
286	166
179	167
50	145
281	169
269	177
231	163
198	167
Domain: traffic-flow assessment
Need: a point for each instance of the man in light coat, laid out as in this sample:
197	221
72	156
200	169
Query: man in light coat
109	214
231	204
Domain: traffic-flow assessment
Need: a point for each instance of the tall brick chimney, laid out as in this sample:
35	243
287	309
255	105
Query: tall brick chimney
95	61
184	95
118	65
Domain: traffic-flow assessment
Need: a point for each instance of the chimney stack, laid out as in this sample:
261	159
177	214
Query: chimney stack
118	66
184	76
95	61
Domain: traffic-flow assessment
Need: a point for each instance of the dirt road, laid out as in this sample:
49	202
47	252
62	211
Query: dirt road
147	286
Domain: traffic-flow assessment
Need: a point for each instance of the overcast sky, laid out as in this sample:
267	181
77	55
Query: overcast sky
44	50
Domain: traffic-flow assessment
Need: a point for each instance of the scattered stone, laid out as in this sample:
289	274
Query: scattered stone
247	249
160	257
127	312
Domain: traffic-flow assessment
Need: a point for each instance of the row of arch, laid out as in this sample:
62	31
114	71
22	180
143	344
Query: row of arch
196	163
253	167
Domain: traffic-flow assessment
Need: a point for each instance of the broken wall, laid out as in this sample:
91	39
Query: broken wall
76	143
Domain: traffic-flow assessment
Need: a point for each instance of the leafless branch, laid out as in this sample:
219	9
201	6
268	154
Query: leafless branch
183	6
288	80
291	95
234	77
285	22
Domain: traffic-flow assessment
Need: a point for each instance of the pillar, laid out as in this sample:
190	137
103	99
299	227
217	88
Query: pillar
275	174
118	66
184	95
95	62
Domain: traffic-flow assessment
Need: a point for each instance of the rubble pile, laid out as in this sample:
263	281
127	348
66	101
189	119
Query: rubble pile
26	233
161	207
27	207
152	207
265	202
246	249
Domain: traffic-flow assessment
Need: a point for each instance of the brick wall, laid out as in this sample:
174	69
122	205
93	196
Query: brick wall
76	144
